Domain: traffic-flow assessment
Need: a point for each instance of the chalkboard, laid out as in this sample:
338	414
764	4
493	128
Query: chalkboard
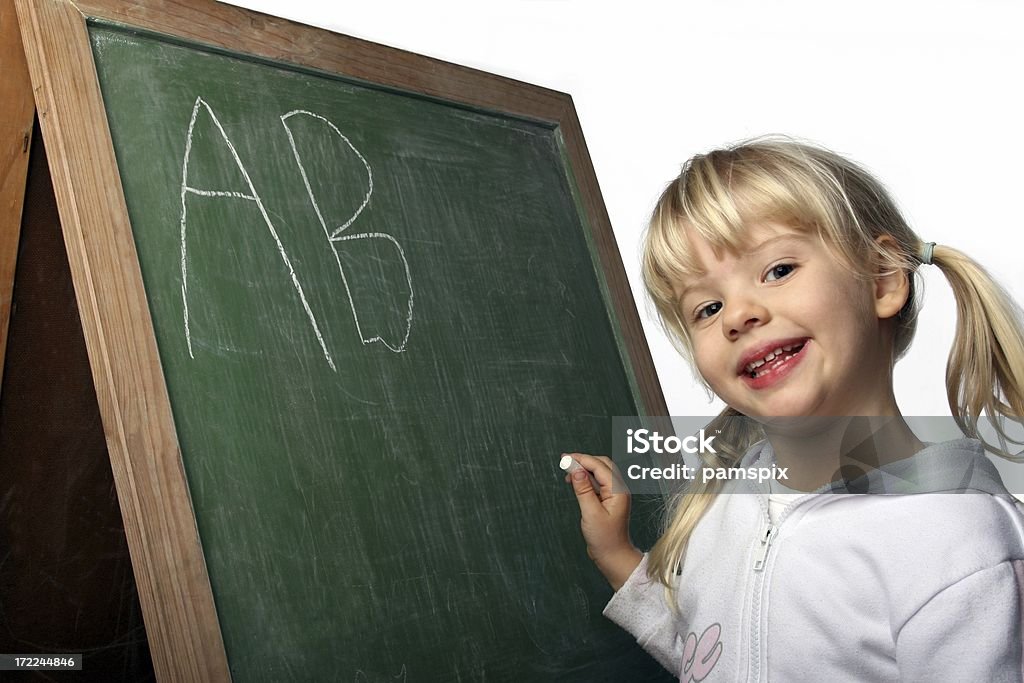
380	316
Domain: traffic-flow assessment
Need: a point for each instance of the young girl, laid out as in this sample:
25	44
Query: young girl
785	273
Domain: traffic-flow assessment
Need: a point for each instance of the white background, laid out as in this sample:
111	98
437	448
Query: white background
926	95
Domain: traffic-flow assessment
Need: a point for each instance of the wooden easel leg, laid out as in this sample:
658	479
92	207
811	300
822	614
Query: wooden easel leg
66	581
17	110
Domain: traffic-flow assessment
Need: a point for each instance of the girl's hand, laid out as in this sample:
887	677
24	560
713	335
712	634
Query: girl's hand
605	517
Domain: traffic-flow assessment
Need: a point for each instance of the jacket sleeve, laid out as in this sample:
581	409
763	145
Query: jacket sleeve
970	631
640	607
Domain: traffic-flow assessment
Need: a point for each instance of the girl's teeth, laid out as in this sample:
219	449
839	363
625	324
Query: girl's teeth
767	359
752	368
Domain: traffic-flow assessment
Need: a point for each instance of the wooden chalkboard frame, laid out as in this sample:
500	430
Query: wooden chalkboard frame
174	588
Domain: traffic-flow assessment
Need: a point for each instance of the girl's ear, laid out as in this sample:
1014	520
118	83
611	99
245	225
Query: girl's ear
892	287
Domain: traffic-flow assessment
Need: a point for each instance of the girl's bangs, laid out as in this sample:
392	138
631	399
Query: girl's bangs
714	207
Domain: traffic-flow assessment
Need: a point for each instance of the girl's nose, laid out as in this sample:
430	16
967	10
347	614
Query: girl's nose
742	316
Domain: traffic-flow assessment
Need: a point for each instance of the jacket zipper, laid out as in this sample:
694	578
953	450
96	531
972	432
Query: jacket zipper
765	538
766	542
760	559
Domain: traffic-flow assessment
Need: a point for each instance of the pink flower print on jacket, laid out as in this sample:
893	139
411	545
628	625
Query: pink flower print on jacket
701	654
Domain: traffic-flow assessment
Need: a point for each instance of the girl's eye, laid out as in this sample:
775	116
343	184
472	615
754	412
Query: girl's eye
780	271
707	312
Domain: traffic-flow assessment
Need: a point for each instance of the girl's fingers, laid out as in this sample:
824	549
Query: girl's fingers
589	499
593	464
604	472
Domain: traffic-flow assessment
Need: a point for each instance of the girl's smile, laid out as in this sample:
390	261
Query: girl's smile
773	362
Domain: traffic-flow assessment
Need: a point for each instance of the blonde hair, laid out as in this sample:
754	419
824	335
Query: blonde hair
718	194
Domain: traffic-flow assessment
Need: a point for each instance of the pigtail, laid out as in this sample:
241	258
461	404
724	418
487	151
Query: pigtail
985	372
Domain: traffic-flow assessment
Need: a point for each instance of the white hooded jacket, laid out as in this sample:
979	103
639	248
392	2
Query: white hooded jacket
921	583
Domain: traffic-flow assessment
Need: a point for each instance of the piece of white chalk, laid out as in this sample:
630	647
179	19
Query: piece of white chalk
570	465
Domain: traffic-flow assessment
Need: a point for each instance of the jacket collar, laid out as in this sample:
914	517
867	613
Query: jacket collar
958	466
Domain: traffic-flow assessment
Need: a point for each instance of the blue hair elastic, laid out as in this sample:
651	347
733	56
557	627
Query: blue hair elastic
924	254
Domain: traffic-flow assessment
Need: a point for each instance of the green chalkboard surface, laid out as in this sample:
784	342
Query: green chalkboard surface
380	322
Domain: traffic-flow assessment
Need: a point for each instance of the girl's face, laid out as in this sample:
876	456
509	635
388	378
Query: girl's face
786	291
